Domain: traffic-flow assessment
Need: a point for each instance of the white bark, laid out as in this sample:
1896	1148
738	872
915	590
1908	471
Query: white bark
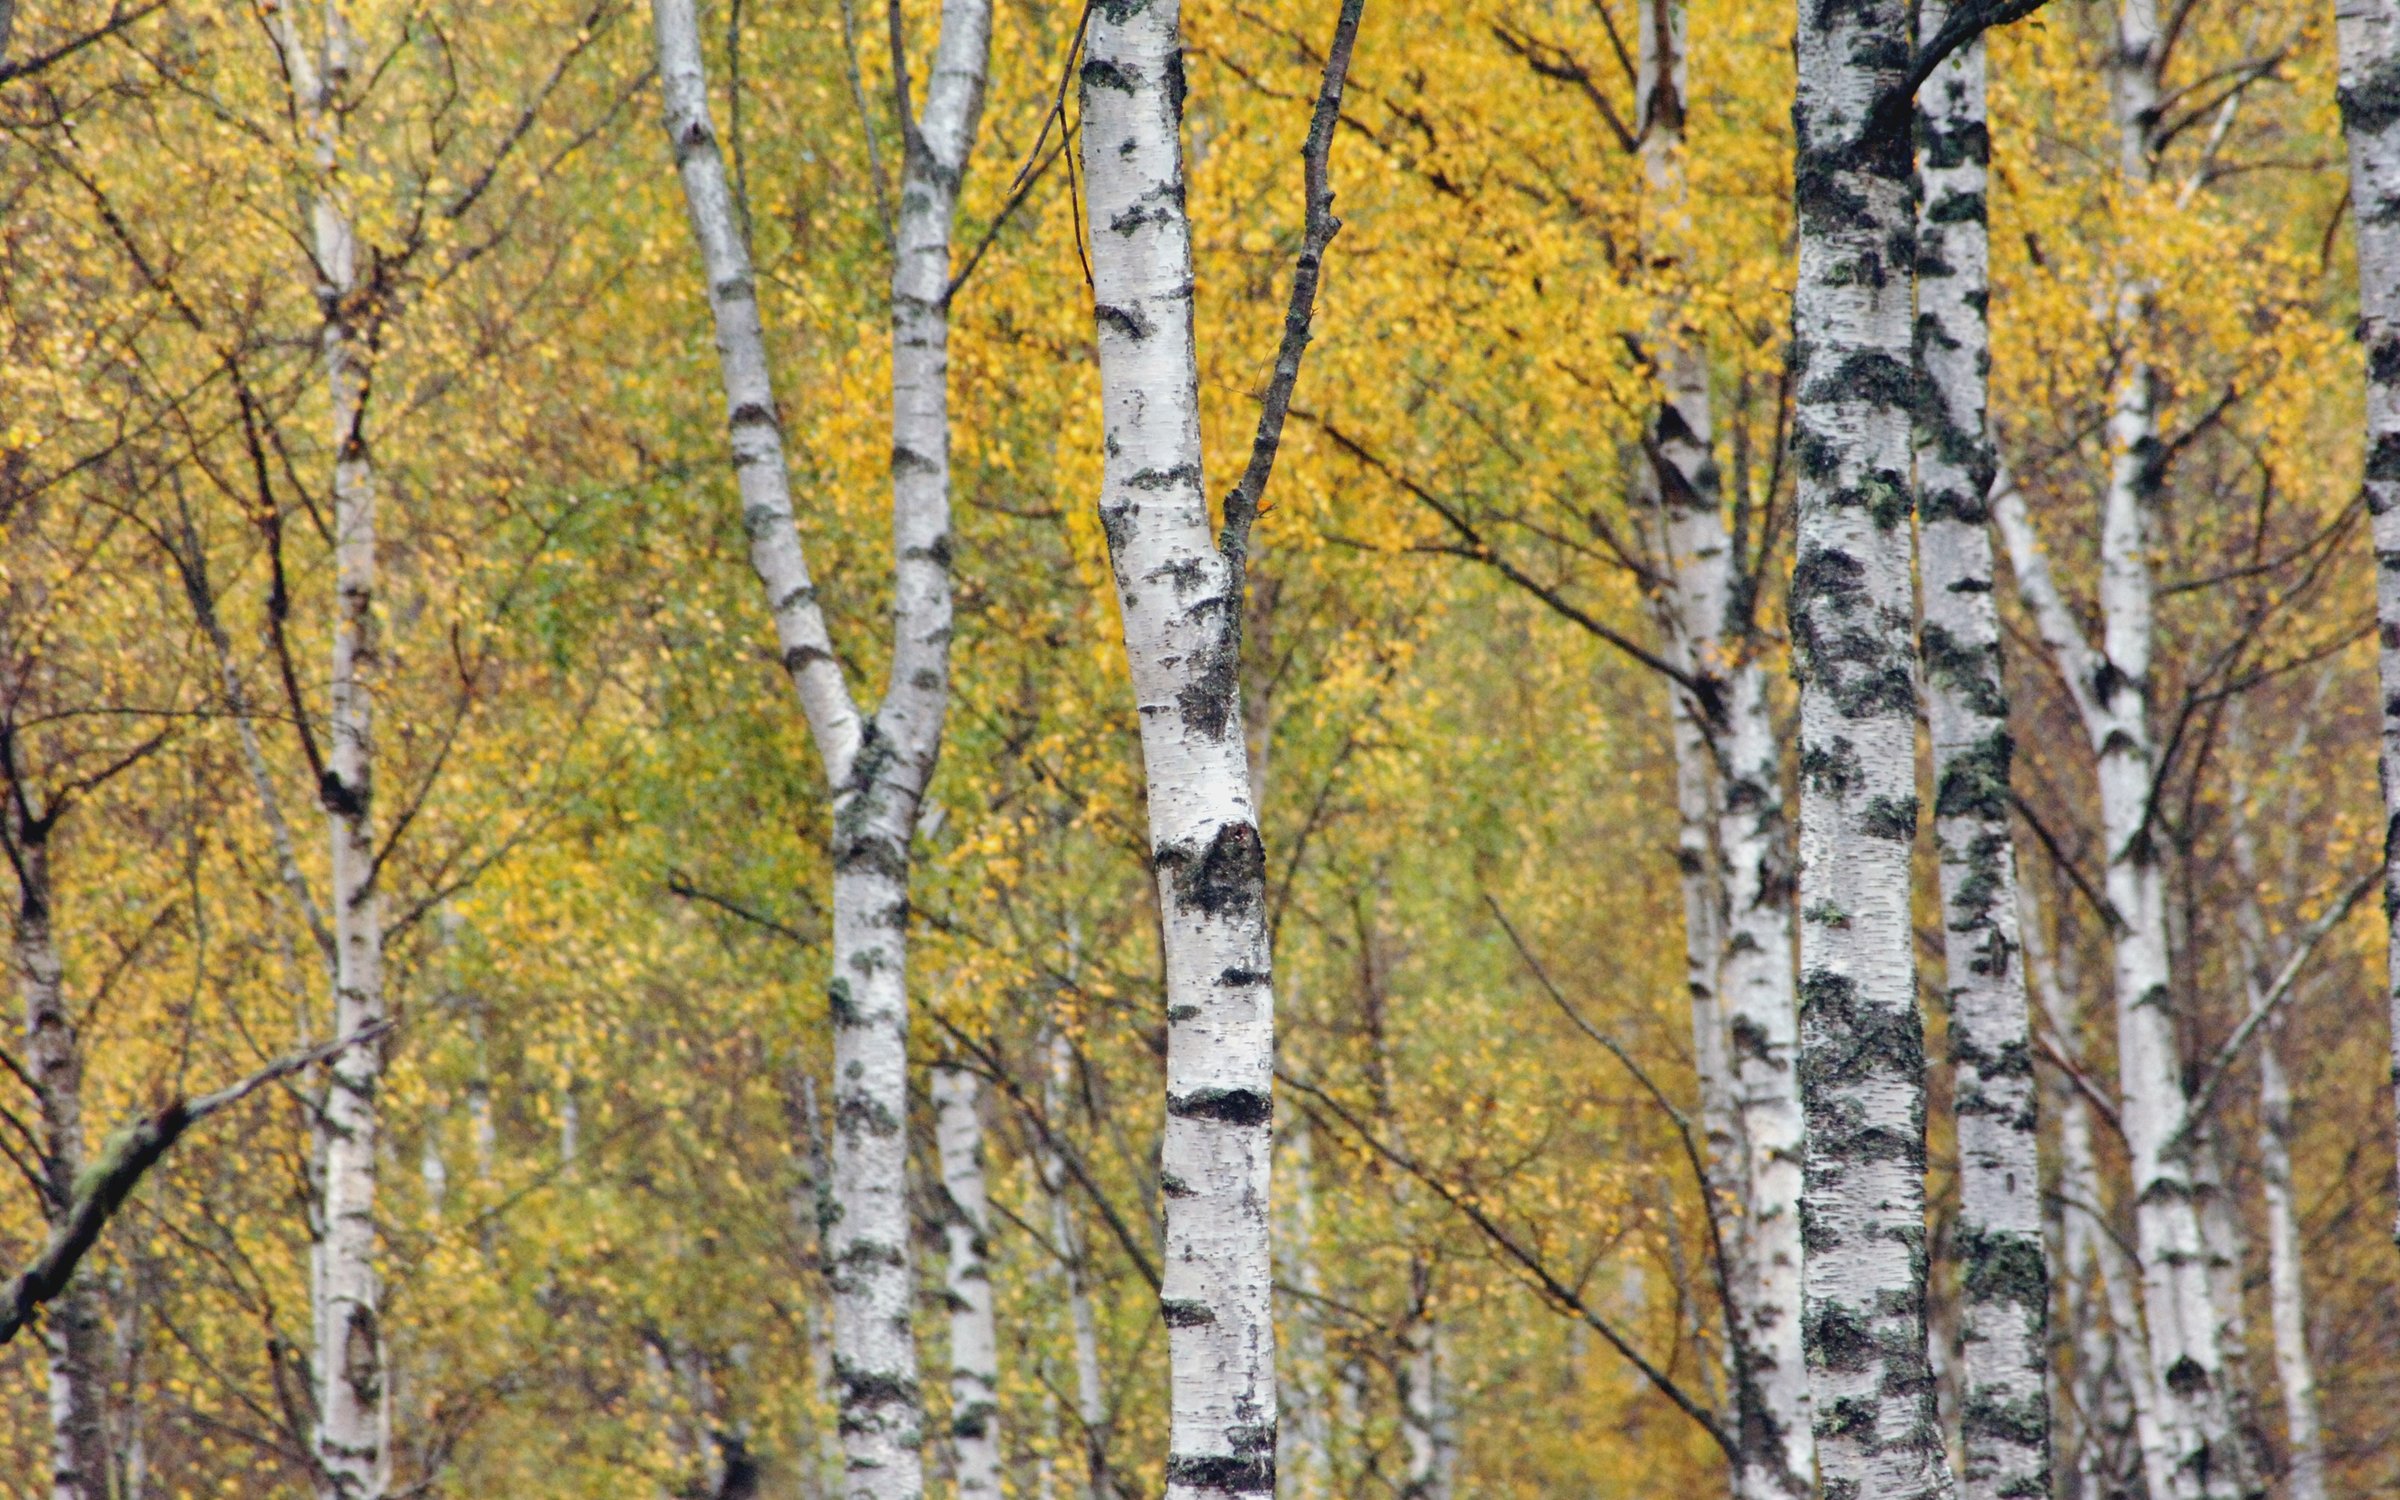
974	1341
2005	1295
1731	831
877	767
1091	1391
2369	39
1852	609
2091	1245
2287	1300
1308	1450
2186	1365
354	1424
1181	607
2295	1370
53	1063
1427	1419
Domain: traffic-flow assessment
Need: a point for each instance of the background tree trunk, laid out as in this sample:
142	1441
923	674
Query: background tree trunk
974	1341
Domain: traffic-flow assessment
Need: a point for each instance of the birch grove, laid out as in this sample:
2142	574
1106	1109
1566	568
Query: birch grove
1454	973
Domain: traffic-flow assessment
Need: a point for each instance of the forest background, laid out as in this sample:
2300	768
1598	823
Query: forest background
601	829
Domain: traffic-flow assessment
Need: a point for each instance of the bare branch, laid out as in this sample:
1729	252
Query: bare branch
127	1158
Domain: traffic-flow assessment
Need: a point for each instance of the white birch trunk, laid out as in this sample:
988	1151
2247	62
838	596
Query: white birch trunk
2286	1296
1178	595
353	1436
1730	848
70	1323
1426	1417
1852	610
2005	1293
2186	1366
974	1341
878	768
2369	38
1091	1391
1308	1444
2287	1301
2091	1246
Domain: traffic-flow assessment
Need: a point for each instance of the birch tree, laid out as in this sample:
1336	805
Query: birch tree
877	766
2287	1298
966	1228
72	1331
2368	32
2005	1312
1729	802
353	1395
1862	1042
1180	593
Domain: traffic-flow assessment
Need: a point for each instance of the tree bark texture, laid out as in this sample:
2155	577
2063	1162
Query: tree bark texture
2005	1287
2093	1251
1179	597
354	1424
974	1339
71	1326
2369	39
1853	614
877	766
1091	1390
1730	849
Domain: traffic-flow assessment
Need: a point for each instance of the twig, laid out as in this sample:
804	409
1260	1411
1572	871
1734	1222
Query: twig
2212	1078
1542	1276
1319	228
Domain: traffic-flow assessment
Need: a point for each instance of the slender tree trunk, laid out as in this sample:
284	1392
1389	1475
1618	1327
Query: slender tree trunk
877	766
1091	1391
2186	1368
1729	799
2287	1301
70	1327
1309	1449
1179	595
2186	1356
2092	1247
2369	36
2005	1290
974	1341
2295	1370
1426	1418
353	1437
1852	608
1762	1008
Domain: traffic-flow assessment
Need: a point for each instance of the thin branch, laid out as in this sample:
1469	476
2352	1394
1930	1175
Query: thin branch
129	1155
1533	1266
2212	1078
1320	226
1474	547
118	20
